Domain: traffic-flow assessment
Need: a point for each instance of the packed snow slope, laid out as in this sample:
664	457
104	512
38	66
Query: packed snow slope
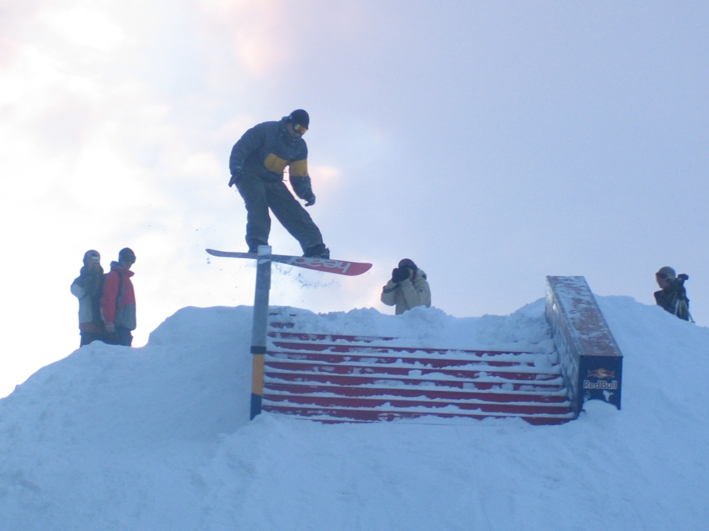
158	438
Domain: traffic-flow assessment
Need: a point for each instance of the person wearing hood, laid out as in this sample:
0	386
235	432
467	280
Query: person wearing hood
118	301
672	296
88	288
257	163
407	288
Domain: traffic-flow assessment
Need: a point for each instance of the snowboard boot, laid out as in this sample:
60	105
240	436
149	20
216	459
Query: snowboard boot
317	251
253	245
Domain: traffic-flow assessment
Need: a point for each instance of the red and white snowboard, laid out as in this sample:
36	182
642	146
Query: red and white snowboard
340	267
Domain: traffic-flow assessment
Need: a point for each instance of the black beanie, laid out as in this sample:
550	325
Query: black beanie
407	262
126	255
299	117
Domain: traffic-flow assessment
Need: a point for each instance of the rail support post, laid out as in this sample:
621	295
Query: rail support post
260	323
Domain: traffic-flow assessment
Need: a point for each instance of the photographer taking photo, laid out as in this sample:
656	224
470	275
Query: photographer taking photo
672	296
407	288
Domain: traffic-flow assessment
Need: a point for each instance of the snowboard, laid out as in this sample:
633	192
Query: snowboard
339	267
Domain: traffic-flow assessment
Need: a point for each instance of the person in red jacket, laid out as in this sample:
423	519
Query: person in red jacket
118	301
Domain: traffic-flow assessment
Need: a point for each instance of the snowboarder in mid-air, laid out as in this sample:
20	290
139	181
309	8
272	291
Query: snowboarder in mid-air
257	163
672	295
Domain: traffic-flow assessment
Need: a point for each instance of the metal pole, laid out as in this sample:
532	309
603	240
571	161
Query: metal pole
260	323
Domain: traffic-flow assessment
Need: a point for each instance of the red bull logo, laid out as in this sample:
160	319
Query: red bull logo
600	378
601	374
601	385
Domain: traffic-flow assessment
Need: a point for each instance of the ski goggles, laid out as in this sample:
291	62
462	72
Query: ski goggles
662	276
300	129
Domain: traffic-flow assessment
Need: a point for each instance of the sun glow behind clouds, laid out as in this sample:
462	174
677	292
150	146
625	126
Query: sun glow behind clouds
261	33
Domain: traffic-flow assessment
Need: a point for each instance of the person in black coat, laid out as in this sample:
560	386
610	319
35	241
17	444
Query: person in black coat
672	296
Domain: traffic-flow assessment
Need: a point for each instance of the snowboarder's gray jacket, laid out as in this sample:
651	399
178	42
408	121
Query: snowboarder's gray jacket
408	293
266	149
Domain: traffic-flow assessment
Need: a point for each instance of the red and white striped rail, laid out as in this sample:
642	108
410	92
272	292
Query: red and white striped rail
341	378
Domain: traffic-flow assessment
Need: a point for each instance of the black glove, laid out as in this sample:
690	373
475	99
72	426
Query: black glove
236	176
400	274
303	189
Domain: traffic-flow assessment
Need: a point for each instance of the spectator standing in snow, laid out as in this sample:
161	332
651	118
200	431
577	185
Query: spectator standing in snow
407	288
257	163
87	287
118	301
672	295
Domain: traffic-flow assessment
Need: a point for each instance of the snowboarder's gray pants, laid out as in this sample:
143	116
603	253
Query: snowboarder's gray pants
259	196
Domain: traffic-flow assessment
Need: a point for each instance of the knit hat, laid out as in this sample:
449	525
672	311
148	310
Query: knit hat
126	255
88	255
299	117
406	262
667	270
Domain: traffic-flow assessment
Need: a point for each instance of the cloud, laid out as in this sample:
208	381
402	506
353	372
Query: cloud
83	25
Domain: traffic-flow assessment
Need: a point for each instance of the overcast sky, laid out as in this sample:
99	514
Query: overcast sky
493	143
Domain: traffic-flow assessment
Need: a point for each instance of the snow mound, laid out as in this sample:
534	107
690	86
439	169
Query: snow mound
158	438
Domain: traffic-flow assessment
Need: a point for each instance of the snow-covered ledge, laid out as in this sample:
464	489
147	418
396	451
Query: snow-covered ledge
590	358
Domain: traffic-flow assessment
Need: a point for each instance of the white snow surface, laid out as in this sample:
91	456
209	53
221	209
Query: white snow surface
158	438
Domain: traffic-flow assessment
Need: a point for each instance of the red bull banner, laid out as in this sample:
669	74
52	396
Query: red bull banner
600	378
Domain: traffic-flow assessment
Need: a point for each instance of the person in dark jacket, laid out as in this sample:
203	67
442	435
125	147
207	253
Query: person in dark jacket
257	163
88	288
118	301
672	296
